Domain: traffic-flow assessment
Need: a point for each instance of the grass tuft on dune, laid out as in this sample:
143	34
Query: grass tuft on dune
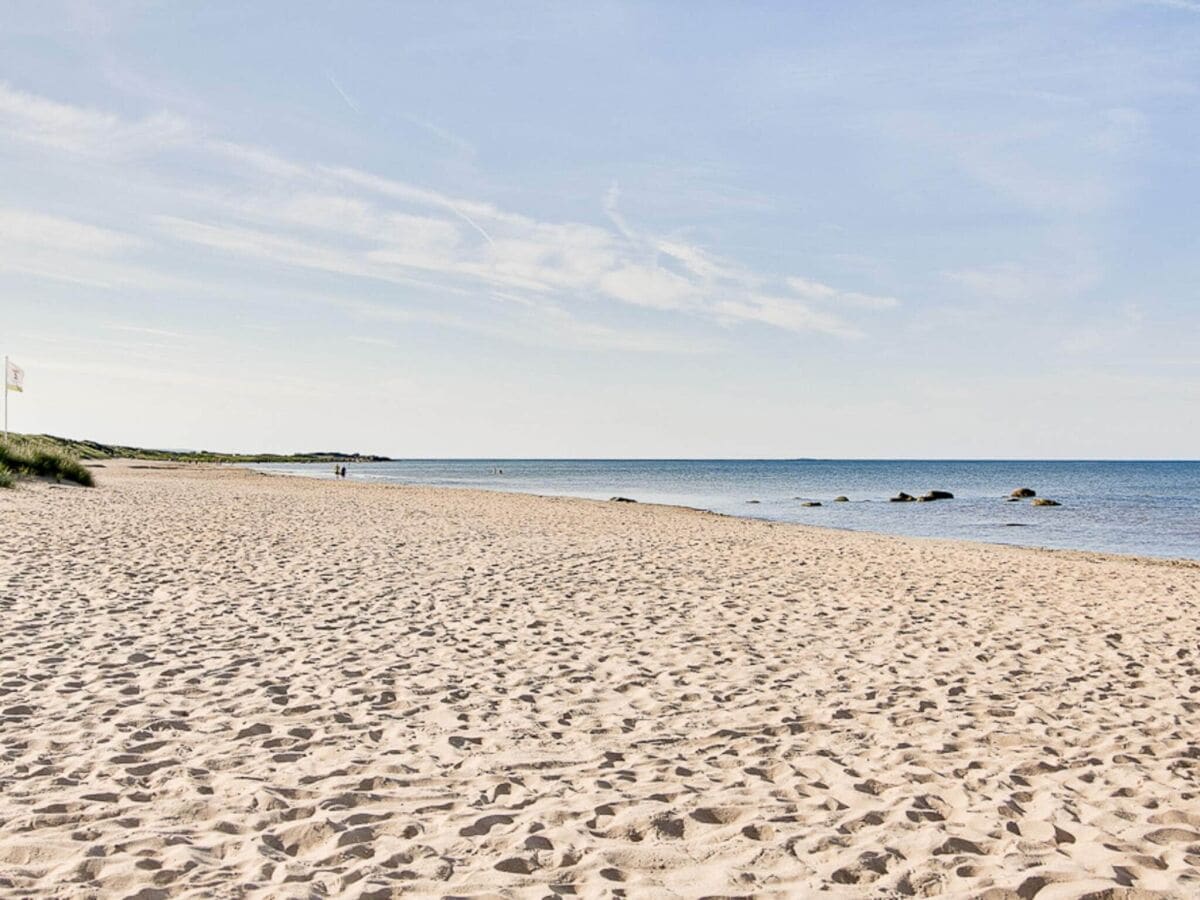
31	458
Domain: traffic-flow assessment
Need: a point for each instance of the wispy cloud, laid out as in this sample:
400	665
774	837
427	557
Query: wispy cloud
372	341
73	252
33	229
361	225
337	87
460	144
79	130
819	293
144	330
533	325
1188	5
787	313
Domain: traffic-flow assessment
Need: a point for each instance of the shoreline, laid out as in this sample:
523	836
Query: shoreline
1160	560
300	686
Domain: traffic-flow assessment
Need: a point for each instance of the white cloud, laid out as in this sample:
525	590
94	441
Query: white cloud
35	119
72	252
532	324
646	286
31	229
815	291
1188	5
143	330
463	146
787	313
285	250
256	158
361	225
350	102
373	341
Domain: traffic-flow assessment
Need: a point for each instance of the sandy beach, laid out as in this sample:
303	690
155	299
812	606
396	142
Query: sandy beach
220	683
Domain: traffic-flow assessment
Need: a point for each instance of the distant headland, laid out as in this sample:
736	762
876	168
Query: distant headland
95	450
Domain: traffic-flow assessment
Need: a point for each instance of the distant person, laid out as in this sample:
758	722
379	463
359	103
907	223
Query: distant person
343	471
337	471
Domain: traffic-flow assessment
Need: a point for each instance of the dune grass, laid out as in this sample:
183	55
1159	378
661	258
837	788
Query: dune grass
30	458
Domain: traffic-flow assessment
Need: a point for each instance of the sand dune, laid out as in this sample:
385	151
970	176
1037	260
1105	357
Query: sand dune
218	683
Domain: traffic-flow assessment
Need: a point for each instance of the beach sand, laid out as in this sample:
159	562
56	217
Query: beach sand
220	683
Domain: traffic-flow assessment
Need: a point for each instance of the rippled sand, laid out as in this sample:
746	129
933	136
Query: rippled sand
218	683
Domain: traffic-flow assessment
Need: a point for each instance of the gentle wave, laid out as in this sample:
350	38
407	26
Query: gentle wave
1143	508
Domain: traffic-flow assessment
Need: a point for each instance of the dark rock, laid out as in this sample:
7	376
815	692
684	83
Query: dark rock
903	498
811	503
1022	493
753	501
938	495
841	499
621	500
1013	499
1044	501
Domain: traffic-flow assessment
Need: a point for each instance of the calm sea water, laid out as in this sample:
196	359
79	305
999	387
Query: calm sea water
1146	508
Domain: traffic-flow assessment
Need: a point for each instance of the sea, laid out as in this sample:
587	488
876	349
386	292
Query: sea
1142	508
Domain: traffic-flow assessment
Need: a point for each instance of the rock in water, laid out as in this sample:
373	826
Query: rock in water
841	499
811	503
1021	493
621	500
903	498
938	495
1044	501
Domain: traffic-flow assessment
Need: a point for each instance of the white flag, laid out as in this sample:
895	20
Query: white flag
14	376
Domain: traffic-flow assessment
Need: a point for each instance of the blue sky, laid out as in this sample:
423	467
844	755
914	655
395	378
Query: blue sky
653	229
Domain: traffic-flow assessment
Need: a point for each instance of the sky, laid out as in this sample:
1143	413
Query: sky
823	229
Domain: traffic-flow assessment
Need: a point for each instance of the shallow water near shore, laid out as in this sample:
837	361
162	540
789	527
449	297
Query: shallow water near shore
1143	508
